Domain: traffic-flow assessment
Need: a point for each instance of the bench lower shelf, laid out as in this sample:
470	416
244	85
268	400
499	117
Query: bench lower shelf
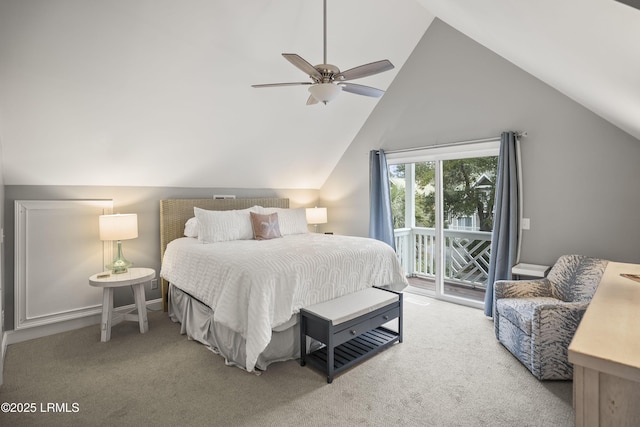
355	350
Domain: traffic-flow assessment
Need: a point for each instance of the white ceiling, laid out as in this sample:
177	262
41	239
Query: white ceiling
586	49
157	92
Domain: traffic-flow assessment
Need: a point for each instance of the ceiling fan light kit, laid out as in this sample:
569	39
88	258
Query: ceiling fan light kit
327	81
324	92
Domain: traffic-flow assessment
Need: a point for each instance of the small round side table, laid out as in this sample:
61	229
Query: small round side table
134	277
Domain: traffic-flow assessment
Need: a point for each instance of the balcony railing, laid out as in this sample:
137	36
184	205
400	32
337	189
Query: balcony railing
466	254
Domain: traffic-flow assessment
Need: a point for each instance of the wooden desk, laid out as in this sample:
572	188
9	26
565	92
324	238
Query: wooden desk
605	352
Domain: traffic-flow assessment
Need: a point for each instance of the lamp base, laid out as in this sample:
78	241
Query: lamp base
120	264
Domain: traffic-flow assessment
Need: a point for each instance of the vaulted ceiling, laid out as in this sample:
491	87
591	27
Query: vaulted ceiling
586	49
158	93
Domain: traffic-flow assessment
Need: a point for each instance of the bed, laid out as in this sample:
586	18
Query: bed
240	294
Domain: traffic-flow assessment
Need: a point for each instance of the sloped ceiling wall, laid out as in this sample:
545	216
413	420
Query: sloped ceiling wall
141	88
586	49
158	93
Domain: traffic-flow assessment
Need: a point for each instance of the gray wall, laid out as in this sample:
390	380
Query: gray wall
144	201
580	173
3	326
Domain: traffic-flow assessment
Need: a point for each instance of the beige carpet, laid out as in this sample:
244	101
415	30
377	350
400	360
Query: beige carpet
449	371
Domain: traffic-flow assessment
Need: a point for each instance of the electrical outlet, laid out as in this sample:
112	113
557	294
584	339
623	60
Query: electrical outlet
154	284
526	223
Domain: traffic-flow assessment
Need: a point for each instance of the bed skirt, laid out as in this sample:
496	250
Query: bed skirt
196	320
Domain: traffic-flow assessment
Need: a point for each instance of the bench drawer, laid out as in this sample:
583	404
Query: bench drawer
351	332
385	317
364	325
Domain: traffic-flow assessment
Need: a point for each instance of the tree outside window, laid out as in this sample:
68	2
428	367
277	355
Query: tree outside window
468	191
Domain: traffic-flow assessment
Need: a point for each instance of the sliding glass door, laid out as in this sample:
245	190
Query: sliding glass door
443	217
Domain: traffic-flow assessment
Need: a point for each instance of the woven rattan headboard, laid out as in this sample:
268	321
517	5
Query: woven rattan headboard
174	213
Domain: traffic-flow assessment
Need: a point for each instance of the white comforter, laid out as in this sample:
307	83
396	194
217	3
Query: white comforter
254	286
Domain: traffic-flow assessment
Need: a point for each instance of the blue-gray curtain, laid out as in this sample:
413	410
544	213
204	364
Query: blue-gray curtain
504	240
380	214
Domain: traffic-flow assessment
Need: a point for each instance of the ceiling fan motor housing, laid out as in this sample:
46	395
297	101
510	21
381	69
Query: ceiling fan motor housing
328	71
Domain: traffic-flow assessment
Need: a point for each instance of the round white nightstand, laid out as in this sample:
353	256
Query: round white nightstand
136	278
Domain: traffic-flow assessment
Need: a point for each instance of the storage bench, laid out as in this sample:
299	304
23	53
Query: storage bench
351	327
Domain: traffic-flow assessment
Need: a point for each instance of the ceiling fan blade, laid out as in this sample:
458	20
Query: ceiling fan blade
365	70
311	100
283	84
303	65
362	90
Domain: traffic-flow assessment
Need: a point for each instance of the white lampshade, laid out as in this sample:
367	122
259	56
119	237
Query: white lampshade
325	92
316	215
118	227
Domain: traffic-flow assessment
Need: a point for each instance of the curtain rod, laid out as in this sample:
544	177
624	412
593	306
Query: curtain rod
451	144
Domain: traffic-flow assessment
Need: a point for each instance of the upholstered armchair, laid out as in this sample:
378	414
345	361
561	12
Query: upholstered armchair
537	319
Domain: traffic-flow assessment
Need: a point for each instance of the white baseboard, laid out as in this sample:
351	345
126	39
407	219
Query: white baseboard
16	336
3	351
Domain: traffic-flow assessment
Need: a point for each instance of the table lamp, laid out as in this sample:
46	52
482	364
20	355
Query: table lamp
316	216
119	227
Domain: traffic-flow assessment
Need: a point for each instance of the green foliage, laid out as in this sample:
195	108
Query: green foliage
397	205
469	188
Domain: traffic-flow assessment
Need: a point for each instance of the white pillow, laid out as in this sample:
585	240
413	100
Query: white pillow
223	226
191	227
291	221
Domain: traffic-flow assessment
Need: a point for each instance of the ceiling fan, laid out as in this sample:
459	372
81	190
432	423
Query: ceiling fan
327	80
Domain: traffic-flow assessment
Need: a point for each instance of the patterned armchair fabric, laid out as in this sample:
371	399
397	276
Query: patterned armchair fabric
536	319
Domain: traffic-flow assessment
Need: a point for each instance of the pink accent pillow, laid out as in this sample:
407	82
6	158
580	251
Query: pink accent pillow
265	227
